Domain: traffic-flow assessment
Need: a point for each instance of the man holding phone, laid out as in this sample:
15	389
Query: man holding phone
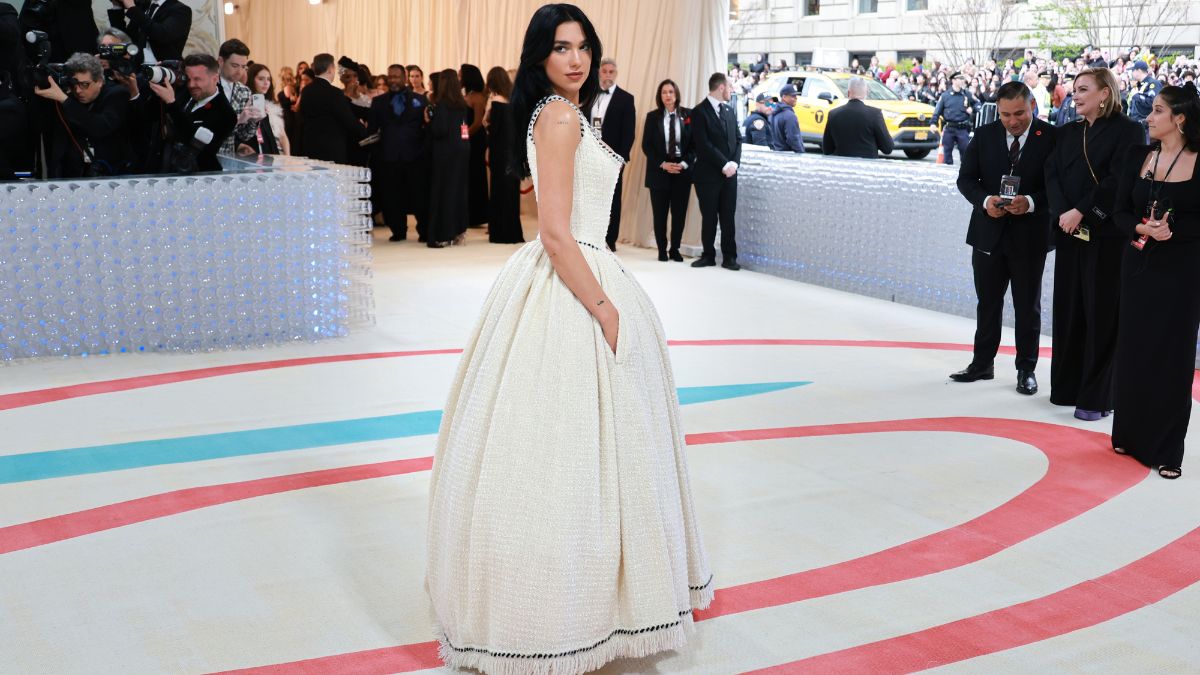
1002	177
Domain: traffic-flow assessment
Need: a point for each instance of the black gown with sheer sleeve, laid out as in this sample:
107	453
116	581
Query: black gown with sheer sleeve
1160	315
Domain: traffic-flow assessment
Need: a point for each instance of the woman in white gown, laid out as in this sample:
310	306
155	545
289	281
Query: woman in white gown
562	533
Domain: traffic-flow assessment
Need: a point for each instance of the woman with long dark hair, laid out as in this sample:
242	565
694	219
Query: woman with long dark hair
562	533
504	215
1158	207
271	137
475	93
449	118
1081	178
667	142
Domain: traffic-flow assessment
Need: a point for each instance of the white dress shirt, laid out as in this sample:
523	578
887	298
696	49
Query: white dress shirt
717	107
600	106
1008	140
148	53
678	133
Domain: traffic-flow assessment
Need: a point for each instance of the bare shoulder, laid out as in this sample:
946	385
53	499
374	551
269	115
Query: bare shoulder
557	125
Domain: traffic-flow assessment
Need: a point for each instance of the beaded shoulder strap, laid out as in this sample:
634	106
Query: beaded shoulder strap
546	101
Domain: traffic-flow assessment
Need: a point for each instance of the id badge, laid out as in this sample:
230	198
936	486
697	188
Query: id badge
598	123
465	132
1009	187
1083	233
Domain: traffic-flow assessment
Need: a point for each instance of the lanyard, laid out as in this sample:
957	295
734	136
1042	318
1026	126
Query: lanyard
1156	186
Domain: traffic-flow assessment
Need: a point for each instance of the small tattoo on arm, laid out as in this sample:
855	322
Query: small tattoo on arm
599	302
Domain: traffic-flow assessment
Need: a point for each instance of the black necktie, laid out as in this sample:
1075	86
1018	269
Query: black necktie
1014	151
672	143
150	14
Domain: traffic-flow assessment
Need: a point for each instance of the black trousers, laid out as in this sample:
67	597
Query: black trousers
954	137
614	217
405	190
672	201
993	274
1087	295
718	202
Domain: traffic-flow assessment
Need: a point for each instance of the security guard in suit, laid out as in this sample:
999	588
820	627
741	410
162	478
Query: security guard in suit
758	124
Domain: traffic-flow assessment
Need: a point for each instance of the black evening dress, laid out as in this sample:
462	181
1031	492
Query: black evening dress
448	195
478	175
504	207
1160	315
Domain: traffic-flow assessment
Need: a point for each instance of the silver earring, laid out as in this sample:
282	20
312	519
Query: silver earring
1180	128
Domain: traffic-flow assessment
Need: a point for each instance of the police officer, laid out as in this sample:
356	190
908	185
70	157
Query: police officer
785	128
758	123
1141	98
957	108
1066	112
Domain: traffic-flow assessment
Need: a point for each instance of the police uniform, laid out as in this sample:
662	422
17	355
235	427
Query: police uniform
758	129
1141	99
952	107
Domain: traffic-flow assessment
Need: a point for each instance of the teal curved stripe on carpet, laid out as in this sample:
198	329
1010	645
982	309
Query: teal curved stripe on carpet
138	454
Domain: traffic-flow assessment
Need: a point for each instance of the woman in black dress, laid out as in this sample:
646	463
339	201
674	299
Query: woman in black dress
1158	206
504	210
449	120
476	96
1081	178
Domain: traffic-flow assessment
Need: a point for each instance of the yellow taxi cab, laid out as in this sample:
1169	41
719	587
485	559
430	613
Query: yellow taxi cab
910	123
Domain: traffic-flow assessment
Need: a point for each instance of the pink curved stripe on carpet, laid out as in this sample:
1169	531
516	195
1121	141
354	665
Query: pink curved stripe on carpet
38	396
24	399
1082	474
81	523
1143	582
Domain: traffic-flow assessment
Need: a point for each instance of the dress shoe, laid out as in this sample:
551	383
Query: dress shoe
676	257
1026	382
704	262
662	256
731	265
975	371
397	237
1089	415
435	244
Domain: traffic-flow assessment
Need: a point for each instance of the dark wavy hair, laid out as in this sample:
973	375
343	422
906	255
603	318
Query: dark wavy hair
472	78
1185	101
532	84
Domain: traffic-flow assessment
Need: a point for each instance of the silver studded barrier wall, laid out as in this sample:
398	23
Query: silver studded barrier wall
885	228
259	254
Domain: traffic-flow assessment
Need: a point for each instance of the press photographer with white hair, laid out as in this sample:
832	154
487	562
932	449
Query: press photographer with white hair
856	129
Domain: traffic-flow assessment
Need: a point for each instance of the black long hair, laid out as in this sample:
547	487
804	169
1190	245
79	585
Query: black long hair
1185	101
532	84
471	77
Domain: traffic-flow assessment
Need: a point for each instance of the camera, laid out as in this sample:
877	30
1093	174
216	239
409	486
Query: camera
164	72
119	57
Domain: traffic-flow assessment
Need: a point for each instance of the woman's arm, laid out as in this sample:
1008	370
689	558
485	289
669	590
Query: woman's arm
556	136
478	103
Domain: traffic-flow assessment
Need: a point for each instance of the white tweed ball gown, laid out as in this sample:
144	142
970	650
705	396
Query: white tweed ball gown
561	529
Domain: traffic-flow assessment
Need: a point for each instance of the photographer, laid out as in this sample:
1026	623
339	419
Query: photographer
159	28
87	127
146	125
203	121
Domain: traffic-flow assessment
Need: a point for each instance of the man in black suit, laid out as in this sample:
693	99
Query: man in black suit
718	152
1002	177
329	124
160	27
614	114
399	118
667	142
91	138
205	119
856	129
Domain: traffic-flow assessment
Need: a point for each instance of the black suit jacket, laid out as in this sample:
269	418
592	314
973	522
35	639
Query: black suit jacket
329	124
983	165
1069	181
620	122
403	137
856	130
166	33
100	125
716	140
72	28
654	144
217	116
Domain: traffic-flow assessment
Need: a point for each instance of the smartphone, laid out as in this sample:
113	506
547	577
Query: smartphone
259	102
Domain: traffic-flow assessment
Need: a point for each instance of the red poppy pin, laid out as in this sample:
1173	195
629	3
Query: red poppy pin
1038	132
687	121
208	105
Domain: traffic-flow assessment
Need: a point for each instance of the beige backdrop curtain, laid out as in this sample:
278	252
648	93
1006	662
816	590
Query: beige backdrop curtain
684	40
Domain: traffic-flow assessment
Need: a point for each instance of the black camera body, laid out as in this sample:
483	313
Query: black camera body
119	57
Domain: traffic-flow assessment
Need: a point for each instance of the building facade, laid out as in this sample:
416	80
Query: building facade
832	33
